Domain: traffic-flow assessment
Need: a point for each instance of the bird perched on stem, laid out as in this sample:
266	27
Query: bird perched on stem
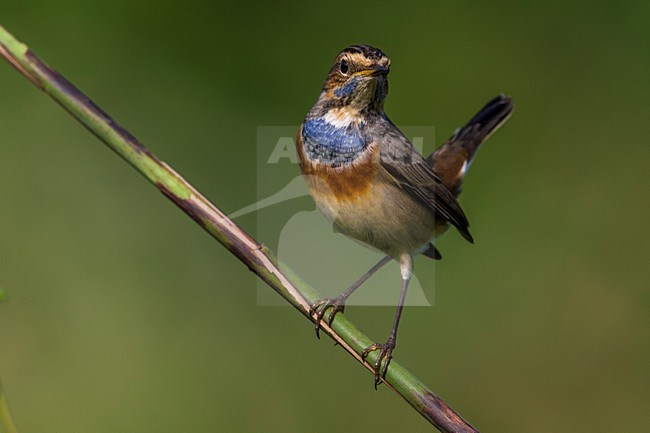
372	185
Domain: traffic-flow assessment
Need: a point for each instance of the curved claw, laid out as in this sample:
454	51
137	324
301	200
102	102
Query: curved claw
322	305
315	306
369	349
385	354
336	308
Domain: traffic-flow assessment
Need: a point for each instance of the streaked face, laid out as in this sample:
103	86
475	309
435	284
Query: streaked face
358	77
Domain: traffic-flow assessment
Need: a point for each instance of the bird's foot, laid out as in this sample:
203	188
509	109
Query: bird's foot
322	305
385	354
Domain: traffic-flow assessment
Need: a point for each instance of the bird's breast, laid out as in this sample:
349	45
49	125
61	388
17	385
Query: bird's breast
361	204
334	139
344	183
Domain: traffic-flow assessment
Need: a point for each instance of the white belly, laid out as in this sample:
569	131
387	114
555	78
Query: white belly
385	218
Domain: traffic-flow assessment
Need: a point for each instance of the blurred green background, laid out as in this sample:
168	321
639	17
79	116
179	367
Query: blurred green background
123	316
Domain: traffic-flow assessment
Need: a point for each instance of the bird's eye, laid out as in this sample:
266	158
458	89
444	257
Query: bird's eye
344	67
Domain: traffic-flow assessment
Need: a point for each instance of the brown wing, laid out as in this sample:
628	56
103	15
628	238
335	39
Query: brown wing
408	170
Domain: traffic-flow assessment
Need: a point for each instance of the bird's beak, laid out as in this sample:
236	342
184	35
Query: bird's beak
373	71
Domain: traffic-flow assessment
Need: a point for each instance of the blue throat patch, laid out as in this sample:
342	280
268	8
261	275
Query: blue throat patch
333	146
346	90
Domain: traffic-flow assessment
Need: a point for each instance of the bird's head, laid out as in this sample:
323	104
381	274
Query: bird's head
358	78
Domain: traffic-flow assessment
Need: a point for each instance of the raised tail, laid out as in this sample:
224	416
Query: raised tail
452	160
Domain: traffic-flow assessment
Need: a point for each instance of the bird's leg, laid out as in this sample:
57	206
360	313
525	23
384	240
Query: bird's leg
386	349
338	303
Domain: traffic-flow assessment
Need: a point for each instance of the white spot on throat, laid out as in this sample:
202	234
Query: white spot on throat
340	119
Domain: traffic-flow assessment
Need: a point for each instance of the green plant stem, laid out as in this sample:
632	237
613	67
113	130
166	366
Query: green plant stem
258	258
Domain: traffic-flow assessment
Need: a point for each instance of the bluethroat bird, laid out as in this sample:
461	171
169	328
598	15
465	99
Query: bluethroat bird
372	185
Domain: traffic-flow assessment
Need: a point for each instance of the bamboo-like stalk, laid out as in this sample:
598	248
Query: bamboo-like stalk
258	258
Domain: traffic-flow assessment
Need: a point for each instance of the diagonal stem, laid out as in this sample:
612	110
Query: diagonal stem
258	258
